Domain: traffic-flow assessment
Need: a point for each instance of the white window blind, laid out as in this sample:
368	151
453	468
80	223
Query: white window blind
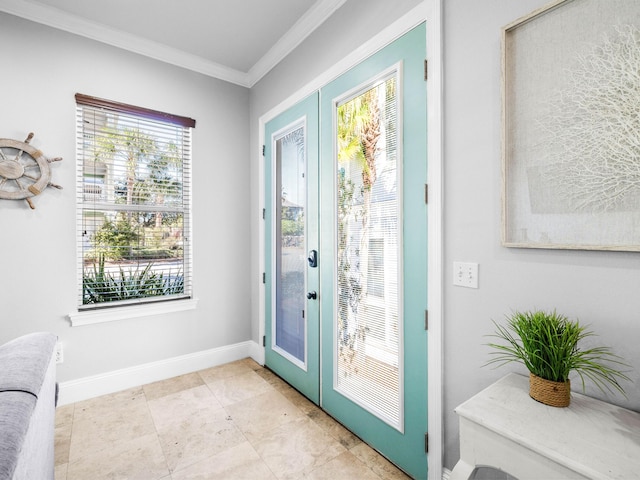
369	251
134	204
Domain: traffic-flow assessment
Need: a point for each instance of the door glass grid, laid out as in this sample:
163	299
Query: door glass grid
289	336
368	345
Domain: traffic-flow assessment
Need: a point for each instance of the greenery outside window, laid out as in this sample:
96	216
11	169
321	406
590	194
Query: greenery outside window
134	204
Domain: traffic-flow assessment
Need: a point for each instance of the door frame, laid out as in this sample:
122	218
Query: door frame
431	11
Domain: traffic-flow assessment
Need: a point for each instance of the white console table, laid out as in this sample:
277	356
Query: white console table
504	428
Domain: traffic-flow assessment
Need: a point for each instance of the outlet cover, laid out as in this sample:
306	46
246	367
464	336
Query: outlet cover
59	353
465	274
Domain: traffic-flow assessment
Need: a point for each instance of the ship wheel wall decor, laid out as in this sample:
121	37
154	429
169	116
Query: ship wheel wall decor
24	170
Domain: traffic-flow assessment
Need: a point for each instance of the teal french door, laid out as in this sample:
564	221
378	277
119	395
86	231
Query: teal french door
358	296
292	328
374	249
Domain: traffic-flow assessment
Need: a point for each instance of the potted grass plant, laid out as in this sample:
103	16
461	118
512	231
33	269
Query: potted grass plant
549	345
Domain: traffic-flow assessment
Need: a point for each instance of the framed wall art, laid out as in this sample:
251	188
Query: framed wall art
571	127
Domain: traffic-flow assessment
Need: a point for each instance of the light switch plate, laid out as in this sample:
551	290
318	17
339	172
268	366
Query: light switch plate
465	274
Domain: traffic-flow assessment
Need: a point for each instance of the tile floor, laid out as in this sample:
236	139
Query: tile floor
234	421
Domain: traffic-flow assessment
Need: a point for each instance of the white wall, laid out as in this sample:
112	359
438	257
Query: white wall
42	69
599	288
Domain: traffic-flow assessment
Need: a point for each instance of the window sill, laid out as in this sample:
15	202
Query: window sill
90	317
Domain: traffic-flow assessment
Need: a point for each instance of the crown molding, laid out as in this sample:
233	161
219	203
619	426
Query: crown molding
77	25
56	18
311	20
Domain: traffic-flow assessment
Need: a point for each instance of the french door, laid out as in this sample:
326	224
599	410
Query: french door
292	325
346	250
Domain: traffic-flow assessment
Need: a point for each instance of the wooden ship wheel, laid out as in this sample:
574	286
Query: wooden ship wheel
24	170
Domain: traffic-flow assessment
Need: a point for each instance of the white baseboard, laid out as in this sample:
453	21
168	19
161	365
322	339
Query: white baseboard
257	352
117	380
446	474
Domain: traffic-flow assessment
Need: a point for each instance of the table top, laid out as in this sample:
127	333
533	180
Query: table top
591	437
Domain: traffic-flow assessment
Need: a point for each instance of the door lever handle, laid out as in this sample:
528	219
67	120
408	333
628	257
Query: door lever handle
313	258
312	295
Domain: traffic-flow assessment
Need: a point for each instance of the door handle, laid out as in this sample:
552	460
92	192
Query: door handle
313	258
312	295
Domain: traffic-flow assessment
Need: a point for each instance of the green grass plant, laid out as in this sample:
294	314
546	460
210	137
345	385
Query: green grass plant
549	345
100	285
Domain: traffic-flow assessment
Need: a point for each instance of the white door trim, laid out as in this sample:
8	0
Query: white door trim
431	10
435	252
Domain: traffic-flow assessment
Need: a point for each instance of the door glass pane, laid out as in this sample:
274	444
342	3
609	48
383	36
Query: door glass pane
290	244
368	346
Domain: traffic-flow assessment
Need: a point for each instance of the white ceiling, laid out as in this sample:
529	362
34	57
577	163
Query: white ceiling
234	40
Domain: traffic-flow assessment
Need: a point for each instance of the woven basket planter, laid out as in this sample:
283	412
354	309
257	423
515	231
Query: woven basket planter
555	394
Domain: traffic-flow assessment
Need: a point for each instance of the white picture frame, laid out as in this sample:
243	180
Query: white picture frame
570	130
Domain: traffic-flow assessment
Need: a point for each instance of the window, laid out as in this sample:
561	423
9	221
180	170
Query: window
134	204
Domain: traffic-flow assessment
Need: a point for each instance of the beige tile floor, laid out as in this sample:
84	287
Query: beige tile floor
234	421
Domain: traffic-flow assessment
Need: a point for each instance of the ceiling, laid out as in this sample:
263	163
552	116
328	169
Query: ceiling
235	40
